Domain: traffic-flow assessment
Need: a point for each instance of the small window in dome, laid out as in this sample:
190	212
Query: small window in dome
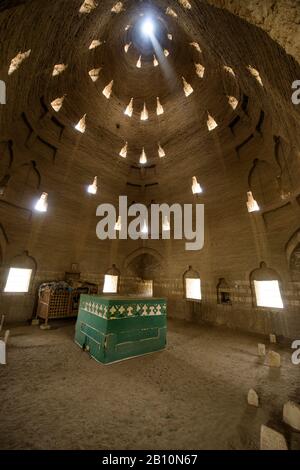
58	69
143	157
166	52
139	62
57	103
187	88
129	109
200	69
81	126
118	7
127	27
88	6
94	74
17	61
196	46
95	43
229	70
144	113
255	74
185	4
155	61
211	123
171	12
126	47
123	151
170	37
161	152
107	91
159	107
233	102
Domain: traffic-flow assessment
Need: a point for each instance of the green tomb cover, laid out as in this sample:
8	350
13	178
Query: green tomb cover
117	328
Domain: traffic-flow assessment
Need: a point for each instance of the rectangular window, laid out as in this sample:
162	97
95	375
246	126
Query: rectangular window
193	289
268	294
18	280
110	284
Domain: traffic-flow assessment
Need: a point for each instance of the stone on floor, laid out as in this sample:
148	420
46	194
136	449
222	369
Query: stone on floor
271	439
291	414
261	348
253	399
274	359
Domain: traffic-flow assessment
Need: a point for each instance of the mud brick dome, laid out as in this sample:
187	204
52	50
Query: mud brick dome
87	94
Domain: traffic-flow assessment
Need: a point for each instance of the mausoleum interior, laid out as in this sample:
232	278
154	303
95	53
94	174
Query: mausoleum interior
124	343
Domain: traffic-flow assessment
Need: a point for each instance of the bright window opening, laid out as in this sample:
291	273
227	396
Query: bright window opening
17	61
95	43
107	91
18	280
58	69
118	7
57	103
193	289
196	46
171	12
268	294
185	4
88	6
110	284
94	74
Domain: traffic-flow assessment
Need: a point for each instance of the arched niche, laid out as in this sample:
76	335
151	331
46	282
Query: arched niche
223	292
266	288
20	271
263	183
111	283
144	251
23	185
293	256
192	285
144	268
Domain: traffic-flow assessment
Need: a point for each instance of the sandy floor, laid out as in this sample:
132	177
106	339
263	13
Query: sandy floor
191	396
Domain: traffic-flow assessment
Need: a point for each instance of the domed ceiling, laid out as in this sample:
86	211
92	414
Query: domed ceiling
80	75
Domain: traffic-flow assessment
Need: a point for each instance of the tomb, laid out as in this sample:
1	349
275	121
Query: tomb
114	328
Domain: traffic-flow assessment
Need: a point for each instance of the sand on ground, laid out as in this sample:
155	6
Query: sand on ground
190	396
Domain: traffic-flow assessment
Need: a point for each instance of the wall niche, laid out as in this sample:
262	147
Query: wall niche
223	292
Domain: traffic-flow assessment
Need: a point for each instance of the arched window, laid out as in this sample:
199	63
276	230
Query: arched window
111	280
265	284
192	285
20	274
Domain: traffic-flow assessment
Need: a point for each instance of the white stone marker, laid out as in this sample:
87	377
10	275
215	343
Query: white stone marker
291	414
274	359
261	349
253	399
271	439
273	339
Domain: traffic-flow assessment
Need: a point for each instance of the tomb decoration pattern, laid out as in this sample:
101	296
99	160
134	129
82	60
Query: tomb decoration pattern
119	310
